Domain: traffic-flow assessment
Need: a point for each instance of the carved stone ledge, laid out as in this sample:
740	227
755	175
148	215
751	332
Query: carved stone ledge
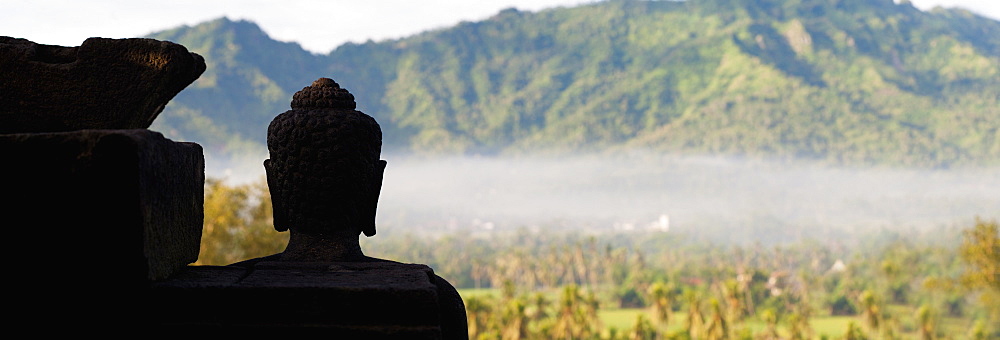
365	300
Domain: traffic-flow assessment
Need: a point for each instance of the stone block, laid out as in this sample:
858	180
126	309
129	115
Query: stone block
86	198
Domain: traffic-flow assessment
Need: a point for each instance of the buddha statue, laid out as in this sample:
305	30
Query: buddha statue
325	175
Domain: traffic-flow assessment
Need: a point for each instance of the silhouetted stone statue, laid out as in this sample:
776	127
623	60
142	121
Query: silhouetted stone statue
102	84
325	175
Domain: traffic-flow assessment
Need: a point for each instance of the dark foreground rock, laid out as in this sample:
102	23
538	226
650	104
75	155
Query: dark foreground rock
122	196
102	84
370	300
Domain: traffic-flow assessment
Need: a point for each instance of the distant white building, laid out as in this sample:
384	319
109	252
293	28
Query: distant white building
837	267
661	224
664	223
624	226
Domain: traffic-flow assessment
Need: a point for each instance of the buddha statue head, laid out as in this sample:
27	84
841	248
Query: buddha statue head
324	171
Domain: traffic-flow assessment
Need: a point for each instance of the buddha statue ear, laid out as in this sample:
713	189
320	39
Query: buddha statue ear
277	197
376	189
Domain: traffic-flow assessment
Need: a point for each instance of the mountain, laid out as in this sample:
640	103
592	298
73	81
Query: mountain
841	81
249	79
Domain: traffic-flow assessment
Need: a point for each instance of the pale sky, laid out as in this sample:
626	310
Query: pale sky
317	25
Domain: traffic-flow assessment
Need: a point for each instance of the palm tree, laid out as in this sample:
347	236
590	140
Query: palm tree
643	329
590	307
978	331
695	319
515	325
798	325
478	310
854	332
572	319
731	294
771	319
926	322
661	296
539	306
717	327
980	251
870	310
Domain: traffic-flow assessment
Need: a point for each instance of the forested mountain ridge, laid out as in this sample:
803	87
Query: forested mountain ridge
845	81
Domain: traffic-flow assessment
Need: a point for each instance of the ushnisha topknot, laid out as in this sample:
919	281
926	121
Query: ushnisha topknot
324	93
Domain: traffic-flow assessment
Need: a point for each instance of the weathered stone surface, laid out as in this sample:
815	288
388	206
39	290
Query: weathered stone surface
366	299
102	84
130	197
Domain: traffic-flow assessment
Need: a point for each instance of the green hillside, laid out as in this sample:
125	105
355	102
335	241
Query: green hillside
845	81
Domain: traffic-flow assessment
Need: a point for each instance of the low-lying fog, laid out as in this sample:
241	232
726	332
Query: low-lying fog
732	199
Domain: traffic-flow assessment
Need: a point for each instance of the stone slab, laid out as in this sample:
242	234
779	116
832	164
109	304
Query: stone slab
369	300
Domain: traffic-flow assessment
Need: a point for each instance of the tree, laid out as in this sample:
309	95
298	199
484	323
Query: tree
771	320
662	298
237	223
718	327
478	310
643	329
695	319
870	310
798	327
576	315
927	321
980	251
222	216
539	305
731	295
515	320
978	331
854	332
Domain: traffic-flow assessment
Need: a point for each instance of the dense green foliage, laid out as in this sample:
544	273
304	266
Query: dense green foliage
887	285
845	81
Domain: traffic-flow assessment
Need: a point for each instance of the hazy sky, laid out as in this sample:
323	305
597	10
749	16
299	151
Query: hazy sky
318	25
